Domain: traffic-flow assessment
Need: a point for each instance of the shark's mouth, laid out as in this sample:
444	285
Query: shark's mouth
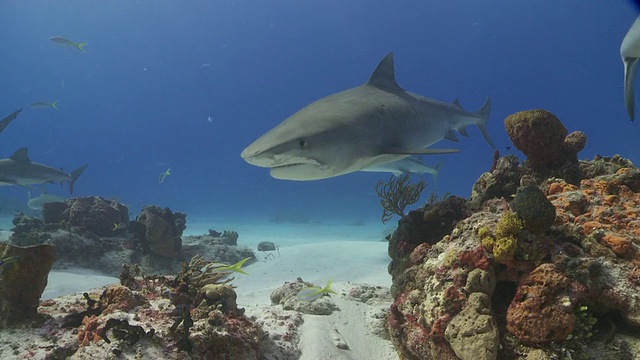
299	171
289	163
294	165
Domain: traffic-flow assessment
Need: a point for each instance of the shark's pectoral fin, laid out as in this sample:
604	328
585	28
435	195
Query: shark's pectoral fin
630	65
15	183
397	151
8	181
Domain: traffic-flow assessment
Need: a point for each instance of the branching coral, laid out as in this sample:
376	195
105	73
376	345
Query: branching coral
195	274
397	193
201	272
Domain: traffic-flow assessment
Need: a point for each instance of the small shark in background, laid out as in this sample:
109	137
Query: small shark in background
630	53
37	203
20	170
5	122
412	164
66	42
363	127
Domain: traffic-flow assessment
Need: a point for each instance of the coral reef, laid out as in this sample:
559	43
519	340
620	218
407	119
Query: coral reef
542	263
543	308
473	332
23	281
424	226
538	134
94	214
126	242
532	206
159	230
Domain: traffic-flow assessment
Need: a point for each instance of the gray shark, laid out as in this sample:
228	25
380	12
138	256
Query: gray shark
630	53
411	164
369	125
37	203
20	170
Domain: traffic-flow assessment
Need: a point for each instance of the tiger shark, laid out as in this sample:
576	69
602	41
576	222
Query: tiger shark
630	53
20	170
362	127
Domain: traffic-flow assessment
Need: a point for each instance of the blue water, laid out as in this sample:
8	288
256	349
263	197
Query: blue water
139	100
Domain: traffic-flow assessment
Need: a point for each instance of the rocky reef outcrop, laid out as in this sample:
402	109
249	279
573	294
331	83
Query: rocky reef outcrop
94	214
540	262
159	230
24	272
96	233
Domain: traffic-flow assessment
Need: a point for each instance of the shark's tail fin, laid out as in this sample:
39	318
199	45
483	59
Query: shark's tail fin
74	176
483	113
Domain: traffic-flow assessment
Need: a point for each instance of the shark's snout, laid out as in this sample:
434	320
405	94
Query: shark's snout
256	157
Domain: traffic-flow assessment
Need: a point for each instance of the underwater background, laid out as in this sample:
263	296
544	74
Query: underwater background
188	85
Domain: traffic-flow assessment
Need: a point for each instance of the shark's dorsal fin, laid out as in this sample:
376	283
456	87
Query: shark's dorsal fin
457	104
384	75
21	156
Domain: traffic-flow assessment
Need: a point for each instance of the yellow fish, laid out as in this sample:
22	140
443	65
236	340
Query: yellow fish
164	175
237	267
44	105
66	42
315	292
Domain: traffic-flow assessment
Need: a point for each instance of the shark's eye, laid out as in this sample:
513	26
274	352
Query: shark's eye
302	143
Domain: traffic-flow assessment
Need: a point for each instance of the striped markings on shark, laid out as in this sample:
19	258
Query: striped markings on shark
364	127
21	171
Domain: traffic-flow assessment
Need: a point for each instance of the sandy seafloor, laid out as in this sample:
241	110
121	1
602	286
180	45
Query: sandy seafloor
315	252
